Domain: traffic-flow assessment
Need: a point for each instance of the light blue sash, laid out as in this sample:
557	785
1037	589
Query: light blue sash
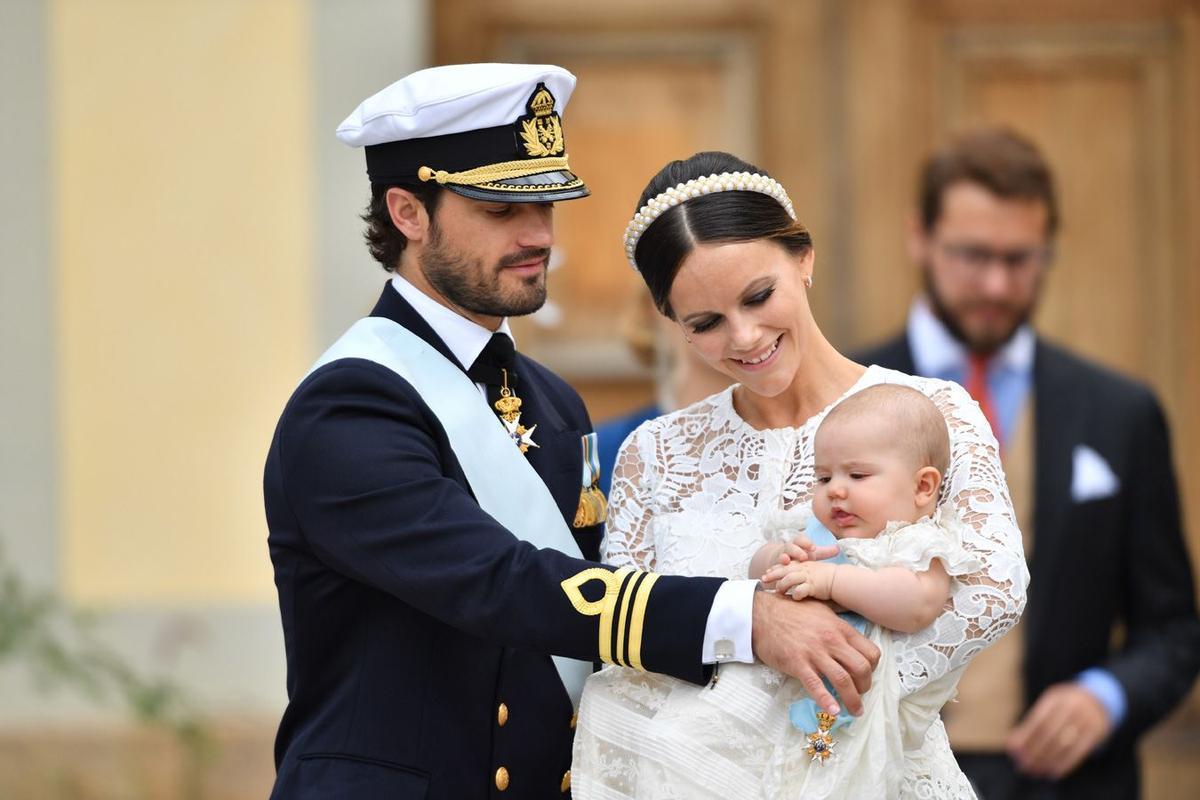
803	712
504	483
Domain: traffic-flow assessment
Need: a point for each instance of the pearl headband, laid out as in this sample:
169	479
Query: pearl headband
708	184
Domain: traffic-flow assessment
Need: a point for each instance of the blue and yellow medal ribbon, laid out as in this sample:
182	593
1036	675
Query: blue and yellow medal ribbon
804	714
593	507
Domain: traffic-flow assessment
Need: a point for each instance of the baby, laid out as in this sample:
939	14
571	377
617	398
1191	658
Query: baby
879	458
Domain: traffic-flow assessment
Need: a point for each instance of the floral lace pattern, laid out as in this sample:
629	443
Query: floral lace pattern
696	492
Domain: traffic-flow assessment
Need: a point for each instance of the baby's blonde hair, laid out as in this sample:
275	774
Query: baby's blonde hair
920	429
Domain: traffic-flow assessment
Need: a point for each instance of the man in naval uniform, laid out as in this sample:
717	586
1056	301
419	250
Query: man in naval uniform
431	495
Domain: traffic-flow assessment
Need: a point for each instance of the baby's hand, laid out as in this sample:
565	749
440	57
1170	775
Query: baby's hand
794	552
802	549
765	556
800	580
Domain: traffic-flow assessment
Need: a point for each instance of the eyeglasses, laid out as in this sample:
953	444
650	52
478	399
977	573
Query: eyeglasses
977	258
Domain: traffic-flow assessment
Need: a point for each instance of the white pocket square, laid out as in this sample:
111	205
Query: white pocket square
1091	476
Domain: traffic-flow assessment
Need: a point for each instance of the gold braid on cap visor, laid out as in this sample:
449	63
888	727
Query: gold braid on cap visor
496	173
709	184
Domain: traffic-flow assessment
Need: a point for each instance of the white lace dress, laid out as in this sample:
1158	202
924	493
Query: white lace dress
696	492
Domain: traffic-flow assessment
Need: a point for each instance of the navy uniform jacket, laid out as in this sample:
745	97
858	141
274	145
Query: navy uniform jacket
1104	563
413	622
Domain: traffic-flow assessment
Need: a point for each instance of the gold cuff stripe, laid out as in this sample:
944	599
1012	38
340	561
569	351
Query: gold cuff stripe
640	601
622	604
625	599
611	591
571	587
490	173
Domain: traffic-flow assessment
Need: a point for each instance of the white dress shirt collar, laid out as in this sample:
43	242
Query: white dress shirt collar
465	338
936	352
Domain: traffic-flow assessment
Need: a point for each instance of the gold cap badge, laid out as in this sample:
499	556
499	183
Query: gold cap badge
541	129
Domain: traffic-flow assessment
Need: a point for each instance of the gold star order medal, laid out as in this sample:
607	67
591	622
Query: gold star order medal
509	408
820	743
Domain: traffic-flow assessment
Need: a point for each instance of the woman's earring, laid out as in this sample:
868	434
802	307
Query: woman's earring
808	281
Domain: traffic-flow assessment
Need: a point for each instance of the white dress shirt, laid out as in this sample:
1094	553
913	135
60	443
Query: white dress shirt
464	338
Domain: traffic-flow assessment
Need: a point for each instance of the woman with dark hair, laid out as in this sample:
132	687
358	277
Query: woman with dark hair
698	491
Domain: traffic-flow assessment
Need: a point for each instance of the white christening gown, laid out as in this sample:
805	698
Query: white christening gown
696	492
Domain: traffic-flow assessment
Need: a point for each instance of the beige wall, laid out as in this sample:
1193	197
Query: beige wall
181	240
183	191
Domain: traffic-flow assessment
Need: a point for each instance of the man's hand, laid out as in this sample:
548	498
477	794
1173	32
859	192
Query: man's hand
1065	724
807	641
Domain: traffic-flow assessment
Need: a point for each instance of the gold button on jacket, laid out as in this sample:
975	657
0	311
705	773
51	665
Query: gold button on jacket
502	779
502	715
566	782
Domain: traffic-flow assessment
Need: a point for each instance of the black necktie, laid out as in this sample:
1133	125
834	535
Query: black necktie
494	365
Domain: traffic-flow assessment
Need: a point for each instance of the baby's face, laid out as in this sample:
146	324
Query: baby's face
863	481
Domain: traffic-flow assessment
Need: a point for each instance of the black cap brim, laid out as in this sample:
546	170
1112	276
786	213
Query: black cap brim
544	187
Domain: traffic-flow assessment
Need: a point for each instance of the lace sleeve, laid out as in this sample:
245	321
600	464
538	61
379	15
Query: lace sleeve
986	603
627	539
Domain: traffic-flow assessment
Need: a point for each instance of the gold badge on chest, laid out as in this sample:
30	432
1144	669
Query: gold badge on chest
509	408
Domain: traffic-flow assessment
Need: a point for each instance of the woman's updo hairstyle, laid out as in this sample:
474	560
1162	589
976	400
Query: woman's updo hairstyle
726	217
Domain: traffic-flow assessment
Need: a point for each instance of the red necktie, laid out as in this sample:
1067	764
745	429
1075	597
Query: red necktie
977	387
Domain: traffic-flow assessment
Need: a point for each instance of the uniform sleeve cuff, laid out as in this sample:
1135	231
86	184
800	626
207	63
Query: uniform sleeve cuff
727	633
1107	689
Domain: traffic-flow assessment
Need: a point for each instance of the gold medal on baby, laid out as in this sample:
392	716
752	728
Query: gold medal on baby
509	408
820	743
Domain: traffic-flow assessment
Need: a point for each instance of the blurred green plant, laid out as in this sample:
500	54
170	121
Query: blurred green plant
61	649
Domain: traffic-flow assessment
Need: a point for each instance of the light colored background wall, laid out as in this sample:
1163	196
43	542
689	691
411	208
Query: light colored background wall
180	240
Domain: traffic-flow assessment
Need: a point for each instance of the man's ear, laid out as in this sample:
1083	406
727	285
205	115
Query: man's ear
928	482
408	214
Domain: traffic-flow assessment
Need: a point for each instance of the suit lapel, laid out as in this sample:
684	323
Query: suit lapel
394	307
559	456
1058	425
896	354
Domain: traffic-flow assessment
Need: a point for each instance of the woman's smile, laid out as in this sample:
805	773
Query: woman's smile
762	359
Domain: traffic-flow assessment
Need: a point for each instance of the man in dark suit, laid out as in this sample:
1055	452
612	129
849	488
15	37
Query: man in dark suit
1110	641
431	497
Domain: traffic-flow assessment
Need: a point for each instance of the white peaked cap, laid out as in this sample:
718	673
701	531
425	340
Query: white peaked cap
485	131
451	99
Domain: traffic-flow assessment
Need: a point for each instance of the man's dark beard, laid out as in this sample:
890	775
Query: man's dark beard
946	317
472	287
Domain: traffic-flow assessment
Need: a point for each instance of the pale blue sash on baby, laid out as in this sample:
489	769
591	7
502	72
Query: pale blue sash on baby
504	483
803	712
